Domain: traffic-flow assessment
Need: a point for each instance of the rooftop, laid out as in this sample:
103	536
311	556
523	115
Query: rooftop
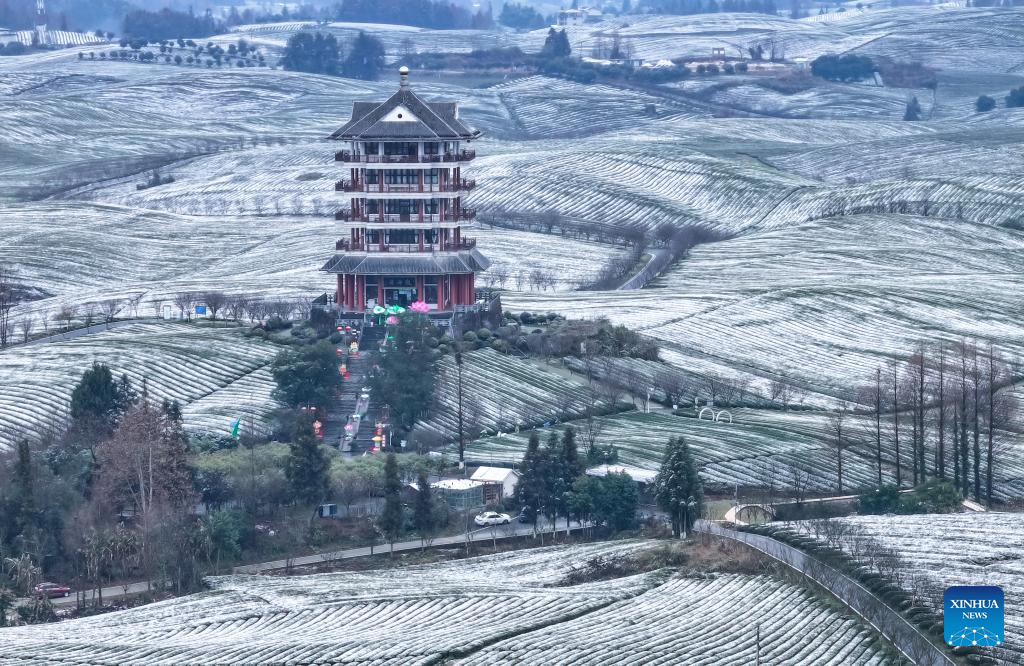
404	116
493	474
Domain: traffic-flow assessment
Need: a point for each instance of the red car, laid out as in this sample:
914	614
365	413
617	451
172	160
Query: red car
51	590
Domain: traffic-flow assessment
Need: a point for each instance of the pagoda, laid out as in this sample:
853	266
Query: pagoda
402	244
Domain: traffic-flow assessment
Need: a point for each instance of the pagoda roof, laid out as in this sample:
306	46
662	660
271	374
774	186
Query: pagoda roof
403	263
404	116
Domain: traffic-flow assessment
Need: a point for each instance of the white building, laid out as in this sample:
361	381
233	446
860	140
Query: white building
499	482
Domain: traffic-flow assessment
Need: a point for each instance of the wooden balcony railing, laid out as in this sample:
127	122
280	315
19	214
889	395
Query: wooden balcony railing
463	185
462	244
458	156
464	214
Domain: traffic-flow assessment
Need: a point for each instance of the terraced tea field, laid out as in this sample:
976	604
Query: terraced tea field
503	608
959	549
188	363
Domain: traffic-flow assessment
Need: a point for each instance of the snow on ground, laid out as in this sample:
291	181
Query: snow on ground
959	549
505	608
188	363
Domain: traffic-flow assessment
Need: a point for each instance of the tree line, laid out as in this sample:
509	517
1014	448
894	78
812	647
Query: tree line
321	53
943	413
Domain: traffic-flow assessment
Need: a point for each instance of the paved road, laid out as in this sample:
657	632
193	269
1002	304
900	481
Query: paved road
484	534
900	632
477	535
660	258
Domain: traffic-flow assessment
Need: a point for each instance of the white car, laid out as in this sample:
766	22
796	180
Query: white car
490	518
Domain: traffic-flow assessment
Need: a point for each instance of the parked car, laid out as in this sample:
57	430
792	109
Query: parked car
51	590
491	518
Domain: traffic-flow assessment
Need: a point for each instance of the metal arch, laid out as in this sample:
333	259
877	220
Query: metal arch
718	416
700	414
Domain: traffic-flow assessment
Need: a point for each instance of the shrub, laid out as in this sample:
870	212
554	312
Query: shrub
843	68
1015	98
984	104
469	336
484	334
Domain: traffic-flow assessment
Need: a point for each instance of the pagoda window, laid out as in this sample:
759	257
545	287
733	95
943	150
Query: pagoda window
402	177
371	147
399	206
373	237
430	289
370	290
431	148
372	176
430	177
430	236
372	206
403	148
431	207
403	236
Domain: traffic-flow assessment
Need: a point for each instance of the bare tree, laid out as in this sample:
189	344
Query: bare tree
837	429
8	297
672	384
501	275
520	279
215	301
110	308
65	315
25	326
799	480
779	392
184	301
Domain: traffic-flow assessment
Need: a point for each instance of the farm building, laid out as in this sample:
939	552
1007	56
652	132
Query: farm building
461	493
403	245
499	482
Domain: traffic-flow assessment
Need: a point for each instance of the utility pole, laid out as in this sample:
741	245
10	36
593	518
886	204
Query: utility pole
462	439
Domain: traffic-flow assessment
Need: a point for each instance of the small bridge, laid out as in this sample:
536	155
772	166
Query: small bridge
746	514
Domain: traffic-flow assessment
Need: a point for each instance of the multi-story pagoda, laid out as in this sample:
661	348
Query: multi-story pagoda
402	225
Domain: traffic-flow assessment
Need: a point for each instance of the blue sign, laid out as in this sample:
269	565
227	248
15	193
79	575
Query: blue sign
201	309
972	615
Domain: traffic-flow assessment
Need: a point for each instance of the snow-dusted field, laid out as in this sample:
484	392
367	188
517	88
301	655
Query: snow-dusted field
507	608
756	449
961	549
192	364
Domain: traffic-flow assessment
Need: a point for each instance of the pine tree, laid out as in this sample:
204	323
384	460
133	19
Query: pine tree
25	488
391	521
307	467
678	488
532	489
424	511
365	59
913	111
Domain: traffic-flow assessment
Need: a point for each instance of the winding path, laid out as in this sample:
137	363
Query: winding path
907	638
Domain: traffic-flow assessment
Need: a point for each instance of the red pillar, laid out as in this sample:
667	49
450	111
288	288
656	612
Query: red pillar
419	287
380	290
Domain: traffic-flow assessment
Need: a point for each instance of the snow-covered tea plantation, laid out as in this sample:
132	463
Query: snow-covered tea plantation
214	373
956	549
507	608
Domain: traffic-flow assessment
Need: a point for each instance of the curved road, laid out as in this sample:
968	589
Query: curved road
907	638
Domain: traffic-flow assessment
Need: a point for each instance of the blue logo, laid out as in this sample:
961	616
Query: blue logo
973	615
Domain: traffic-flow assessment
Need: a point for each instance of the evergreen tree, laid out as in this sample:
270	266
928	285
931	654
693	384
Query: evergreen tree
568	470
677	486
307	468
520	16
406	377
556	44
391	521
984	103
424	516
531	489
315	53
365	59
913	111
99	398
306	376
25	488
554	478
1015	98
